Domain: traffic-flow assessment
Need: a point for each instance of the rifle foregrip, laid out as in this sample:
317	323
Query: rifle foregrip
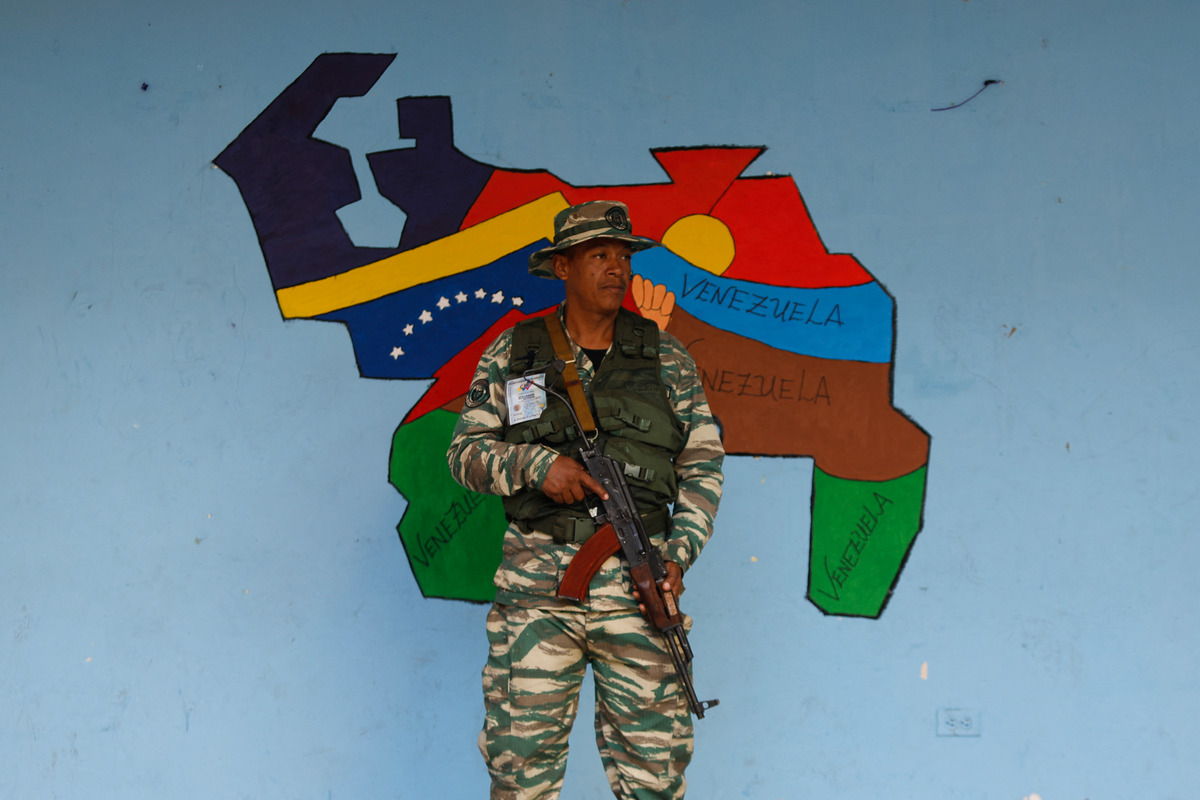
661	607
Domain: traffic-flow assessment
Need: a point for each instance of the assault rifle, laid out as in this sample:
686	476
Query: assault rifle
617	519
646	567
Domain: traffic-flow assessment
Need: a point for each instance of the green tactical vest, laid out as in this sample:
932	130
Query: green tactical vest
634	416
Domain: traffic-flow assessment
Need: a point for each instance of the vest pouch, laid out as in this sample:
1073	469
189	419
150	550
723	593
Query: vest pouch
649	471
632	417
555	426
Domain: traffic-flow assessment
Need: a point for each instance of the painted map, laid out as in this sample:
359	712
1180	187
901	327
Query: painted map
794	343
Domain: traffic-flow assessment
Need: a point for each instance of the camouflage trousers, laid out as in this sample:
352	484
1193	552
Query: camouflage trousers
536	664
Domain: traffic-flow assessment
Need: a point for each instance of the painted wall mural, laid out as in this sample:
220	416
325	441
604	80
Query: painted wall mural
794	343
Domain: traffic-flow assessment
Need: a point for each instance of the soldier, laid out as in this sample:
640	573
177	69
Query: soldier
514	440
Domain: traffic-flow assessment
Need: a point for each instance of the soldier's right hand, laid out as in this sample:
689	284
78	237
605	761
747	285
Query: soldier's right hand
567	482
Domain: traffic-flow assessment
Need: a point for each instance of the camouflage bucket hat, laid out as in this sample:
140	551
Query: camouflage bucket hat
598	219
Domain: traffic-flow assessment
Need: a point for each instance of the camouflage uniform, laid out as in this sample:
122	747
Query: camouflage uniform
540	645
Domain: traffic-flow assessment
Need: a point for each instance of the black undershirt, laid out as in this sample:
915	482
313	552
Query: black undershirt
596	356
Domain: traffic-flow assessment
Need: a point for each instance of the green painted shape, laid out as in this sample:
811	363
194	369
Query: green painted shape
452	536
861	534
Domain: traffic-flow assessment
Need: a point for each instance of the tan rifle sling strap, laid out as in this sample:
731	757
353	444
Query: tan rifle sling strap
562	349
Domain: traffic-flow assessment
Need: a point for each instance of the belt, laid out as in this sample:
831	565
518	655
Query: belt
568	529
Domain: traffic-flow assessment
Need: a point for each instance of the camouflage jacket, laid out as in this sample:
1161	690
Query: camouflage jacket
533	562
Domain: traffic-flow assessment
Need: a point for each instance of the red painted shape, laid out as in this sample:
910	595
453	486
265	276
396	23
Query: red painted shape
775	240
455	375
698	179
508	189
699	176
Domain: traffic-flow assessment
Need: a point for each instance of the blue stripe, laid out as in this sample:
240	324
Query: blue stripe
852	323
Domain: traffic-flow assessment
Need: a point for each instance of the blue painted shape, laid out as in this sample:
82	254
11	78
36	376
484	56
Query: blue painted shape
852	323
456	316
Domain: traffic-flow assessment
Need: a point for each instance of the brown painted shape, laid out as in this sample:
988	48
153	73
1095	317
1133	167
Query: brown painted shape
455	406
775	403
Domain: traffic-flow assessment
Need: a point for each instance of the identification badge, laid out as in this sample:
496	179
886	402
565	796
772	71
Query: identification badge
526	400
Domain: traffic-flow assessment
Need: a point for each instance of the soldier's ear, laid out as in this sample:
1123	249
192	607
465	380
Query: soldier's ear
559	264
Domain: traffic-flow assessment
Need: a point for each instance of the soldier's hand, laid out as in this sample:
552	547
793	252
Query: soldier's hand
672	583
674	580
567	482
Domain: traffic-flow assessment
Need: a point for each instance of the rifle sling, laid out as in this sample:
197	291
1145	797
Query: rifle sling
562	349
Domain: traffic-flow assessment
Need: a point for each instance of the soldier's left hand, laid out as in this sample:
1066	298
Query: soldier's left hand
672	583
674	580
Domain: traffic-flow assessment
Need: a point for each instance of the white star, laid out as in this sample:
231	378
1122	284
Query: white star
480	293
396	352
518	301
443	304
408	329
425	317
498	297
460	297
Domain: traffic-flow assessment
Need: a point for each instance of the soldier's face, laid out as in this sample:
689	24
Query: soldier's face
596	274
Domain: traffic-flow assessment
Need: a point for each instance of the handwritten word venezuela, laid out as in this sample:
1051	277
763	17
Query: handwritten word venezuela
849	323
856	542
453	519
735	298
770	387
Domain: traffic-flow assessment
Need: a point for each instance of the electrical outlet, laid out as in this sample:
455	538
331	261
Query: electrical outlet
958	722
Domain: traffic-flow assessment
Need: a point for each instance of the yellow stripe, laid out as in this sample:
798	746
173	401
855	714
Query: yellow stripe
477	246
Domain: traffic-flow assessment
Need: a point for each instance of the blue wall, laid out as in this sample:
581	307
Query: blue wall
201	590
